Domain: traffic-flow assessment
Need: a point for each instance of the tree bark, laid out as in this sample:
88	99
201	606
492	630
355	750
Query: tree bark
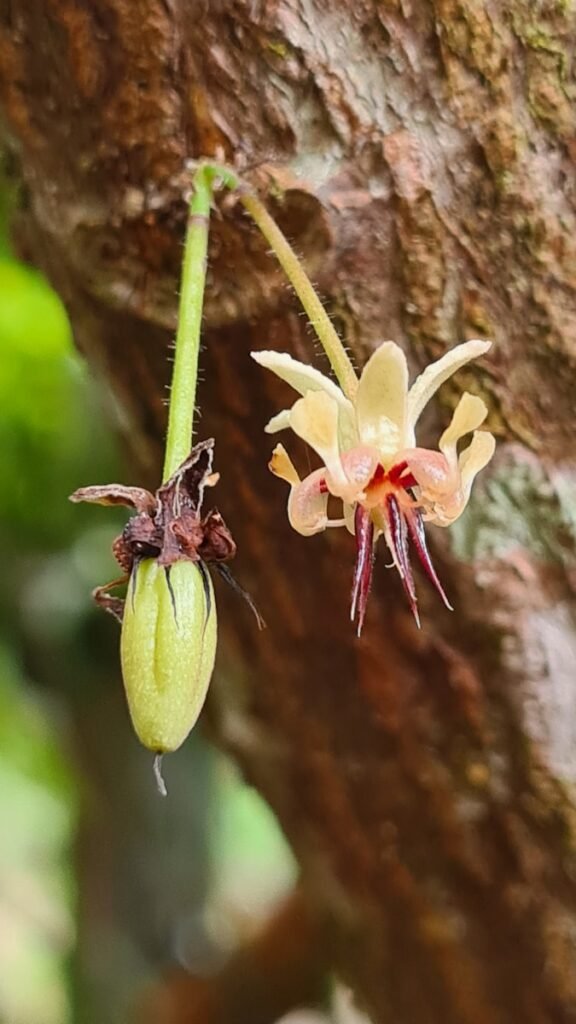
425	151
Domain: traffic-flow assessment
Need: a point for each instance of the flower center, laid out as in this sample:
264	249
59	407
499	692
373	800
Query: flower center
395	480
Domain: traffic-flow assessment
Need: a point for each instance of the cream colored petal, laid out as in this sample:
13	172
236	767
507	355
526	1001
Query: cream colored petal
300	376
308	505
475	458
434	376
432	471
360	464
315	419
303	379
308	500
281	421
471	461
470	412
281	465
381	399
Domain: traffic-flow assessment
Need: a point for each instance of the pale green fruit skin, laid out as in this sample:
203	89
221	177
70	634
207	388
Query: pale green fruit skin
167	661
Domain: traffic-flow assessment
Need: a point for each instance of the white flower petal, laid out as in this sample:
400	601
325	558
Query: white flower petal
281	421
308	500
450	507
470	412
475	458
300	376
360	464
308	505
314	418
434	376
304	378
381	399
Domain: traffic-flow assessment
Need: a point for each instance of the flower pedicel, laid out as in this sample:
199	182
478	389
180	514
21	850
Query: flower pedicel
366	441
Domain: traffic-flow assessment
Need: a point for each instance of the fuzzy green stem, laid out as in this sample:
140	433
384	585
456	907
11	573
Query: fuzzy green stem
302	285
292	267
187	347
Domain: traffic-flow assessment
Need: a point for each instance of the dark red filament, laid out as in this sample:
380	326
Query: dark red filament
364	530
398	475
415	525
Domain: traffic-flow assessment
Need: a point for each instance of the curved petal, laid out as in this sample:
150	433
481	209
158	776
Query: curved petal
470	412
450	507
308	505
281	465
281	421
432	472
434	376
314	418
475	458
308	501
304	378
381	399
117	494
360	464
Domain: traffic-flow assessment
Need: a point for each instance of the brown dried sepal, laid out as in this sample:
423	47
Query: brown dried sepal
103	598
168	525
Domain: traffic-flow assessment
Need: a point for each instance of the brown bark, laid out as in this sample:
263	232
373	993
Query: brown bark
426	152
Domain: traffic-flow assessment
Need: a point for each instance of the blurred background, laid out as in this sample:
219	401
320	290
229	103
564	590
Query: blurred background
101	881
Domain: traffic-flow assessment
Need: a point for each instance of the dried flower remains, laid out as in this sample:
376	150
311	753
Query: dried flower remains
168	620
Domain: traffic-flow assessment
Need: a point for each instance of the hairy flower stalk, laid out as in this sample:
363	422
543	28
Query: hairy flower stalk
292	267
169	629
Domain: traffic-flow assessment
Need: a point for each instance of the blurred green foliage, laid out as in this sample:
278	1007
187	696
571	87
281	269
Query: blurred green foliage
37	801
45	432
48	409
38	446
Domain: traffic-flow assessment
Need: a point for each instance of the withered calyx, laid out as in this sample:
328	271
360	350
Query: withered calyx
168	526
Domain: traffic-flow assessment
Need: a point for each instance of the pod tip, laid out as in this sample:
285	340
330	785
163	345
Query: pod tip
161	785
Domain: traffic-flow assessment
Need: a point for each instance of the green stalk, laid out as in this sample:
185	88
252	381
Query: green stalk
187	347
292	267
302	285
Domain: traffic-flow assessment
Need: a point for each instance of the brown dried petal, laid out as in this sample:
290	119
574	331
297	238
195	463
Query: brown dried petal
117	494
123	554
217	544
113	605
185	488
182	539
142	532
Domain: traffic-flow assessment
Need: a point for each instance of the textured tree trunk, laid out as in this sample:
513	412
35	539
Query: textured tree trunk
425	150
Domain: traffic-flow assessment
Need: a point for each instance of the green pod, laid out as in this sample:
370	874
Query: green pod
167	649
